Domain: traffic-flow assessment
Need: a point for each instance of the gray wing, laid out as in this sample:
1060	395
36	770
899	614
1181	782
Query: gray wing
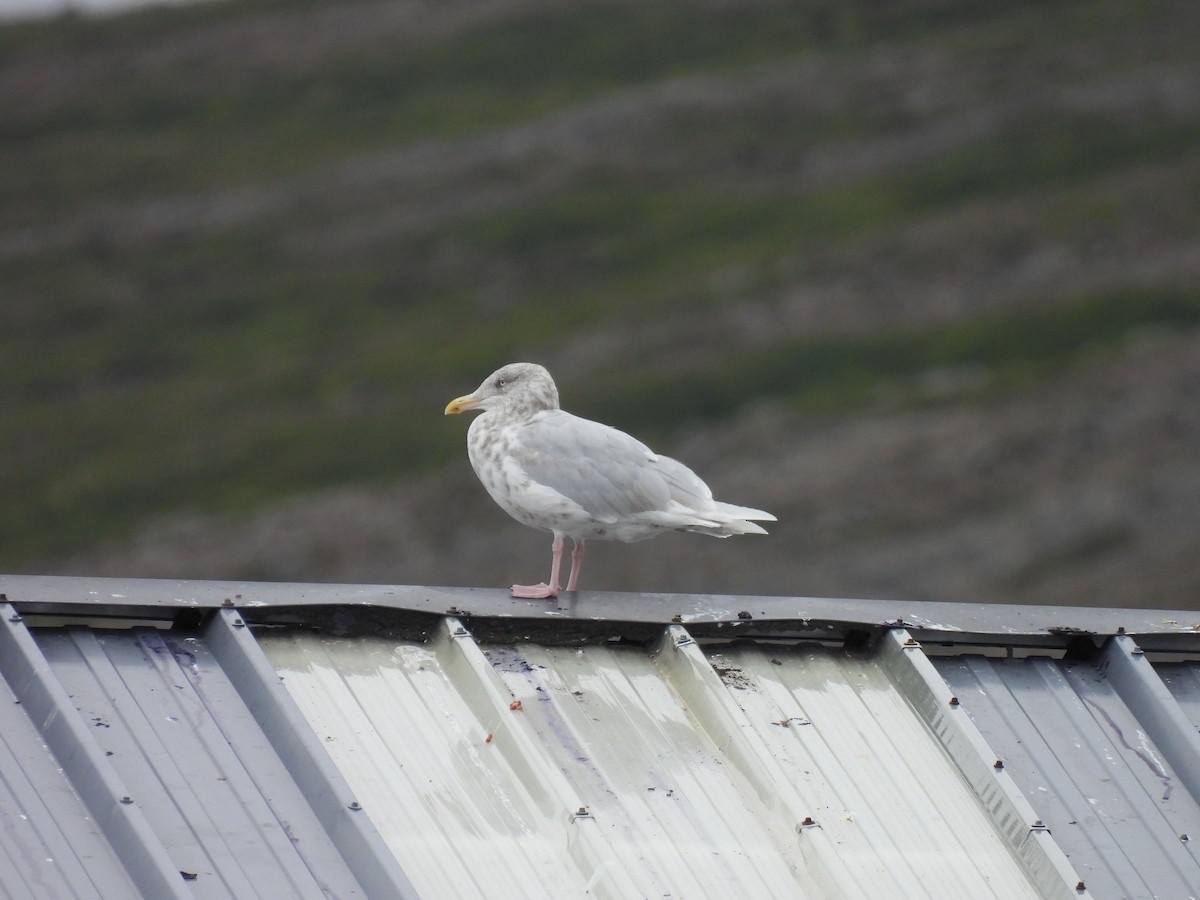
605	471
685	485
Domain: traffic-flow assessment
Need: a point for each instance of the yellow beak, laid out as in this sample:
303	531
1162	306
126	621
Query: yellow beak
461	404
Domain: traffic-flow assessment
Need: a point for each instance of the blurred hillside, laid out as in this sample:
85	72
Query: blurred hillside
921	277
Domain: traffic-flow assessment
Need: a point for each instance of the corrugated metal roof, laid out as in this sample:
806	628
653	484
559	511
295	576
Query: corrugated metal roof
177	786
1110	782
695	771
336	749
50	844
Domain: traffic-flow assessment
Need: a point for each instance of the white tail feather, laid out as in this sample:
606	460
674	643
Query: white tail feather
744	512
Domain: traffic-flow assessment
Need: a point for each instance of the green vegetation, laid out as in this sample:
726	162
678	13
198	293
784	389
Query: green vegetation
208	302
831	376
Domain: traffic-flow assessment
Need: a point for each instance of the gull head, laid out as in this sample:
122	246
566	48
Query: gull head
516	389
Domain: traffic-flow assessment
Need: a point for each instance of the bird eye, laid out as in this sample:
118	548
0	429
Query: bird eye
499	382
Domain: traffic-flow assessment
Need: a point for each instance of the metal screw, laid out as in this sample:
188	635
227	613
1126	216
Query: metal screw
227	602
744	614
1137	651
126	800
954	701
354	805
808	820
1080	887
14	618
998	764
238	623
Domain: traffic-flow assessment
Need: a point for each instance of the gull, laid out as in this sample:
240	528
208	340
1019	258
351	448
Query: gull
581	479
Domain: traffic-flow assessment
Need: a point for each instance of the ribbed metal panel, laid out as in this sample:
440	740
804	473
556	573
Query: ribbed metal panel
1183	681
1024	834
527	770
50	845
85	765
144	772
268	757
1085	759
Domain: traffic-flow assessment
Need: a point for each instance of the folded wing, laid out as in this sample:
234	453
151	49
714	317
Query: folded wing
619	480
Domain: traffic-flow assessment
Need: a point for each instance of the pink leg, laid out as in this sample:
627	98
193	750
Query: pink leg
545	591
576	566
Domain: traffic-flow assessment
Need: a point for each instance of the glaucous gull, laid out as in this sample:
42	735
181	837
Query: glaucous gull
580	479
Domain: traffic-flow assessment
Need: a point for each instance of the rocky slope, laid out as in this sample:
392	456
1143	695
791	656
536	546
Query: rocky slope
1082	489
919	277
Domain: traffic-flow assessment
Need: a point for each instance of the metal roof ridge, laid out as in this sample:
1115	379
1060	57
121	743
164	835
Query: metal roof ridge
705	615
